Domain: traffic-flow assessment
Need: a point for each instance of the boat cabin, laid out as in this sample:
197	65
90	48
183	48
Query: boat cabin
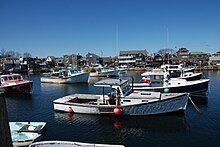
122	87
65	72
5	78
173	70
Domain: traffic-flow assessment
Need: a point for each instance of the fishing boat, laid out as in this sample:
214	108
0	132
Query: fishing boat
14	83
25	133
66	76
70	144
122	100
176	71
158	81
105	72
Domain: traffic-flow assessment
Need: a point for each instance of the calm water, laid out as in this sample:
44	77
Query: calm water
189	129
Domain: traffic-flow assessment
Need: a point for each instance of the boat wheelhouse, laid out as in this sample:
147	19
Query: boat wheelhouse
14	83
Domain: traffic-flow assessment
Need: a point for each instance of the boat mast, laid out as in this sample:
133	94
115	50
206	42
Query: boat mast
167	45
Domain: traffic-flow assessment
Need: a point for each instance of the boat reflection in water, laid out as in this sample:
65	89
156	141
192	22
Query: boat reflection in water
127	124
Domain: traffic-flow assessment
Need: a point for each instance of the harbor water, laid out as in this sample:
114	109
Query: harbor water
190	128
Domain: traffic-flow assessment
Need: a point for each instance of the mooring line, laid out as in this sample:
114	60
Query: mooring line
194	105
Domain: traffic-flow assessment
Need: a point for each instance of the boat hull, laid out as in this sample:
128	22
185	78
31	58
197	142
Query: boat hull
108	73
70	144
77	78
193	87
173	104
22	87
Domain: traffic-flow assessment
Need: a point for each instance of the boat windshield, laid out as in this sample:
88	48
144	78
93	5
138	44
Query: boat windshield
17	77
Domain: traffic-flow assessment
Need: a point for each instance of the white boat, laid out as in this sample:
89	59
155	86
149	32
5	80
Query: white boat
105	72
15	84
34	127
122	101
122	69
70	144
25	133
66	76
177	67
158	81
24	138
177	71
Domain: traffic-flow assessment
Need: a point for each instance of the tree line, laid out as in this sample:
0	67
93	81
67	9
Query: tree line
13	54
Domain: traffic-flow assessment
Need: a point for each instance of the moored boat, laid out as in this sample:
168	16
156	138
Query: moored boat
122	101
158	81
176	71
34	127
24	138
105	72
14	83
25	133
66	76
70	144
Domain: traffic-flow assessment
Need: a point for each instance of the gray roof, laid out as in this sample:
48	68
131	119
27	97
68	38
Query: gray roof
144	52
198	53
110	82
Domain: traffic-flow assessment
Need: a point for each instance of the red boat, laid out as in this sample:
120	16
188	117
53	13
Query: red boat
14	83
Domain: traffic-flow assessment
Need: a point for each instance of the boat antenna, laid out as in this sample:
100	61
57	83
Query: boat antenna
132	83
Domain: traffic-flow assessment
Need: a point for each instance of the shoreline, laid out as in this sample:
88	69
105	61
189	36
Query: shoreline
197	68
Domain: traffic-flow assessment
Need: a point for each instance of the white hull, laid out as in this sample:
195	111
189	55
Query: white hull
70	144
105	73
150	106
192	87
76	78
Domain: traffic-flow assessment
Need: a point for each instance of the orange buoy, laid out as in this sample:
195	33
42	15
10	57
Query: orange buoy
117	111
70	110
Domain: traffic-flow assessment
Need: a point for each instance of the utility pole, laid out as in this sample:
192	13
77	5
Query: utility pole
5	134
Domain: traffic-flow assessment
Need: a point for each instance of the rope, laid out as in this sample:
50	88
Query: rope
196	95
194	105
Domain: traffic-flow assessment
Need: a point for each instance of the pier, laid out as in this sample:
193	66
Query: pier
5	135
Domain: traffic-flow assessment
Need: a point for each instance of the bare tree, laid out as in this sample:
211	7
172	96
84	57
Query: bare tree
166	51
2	52
11	54
17	54
27	55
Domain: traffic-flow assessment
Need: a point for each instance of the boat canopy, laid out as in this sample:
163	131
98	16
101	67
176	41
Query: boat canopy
110	82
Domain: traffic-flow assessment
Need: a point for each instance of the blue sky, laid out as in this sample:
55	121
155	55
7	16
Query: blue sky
105	27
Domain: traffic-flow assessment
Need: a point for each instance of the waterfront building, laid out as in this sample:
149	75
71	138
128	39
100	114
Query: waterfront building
50	61
215	58
92	59
199	58
157	60
183	53
133	58
59	61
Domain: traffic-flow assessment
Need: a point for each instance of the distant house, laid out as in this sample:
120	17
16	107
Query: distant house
133	58
75	60
198	58
214	58
92	59
157	60
59	62
12	64
183	53
50	61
